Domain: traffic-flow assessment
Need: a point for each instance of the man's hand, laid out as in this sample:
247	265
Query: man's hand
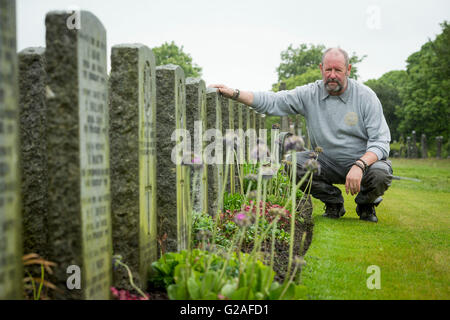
353	180
224	90
245	97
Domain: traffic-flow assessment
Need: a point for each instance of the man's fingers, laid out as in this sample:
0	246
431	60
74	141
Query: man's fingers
346	186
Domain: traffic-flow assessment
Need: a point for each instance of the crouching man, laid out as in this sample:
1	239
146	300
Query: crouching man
345	118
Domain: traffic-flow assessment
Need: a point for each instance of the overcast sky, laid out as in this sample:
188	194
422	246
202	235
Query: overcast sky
239	42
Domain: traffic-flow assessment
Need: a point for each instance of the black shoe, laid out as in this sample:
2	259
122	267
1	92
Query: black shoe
366	212
334	210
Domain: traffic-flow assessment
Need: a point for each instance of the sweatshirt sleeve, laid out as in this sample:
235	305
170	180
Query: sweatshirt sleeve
377	128
282	103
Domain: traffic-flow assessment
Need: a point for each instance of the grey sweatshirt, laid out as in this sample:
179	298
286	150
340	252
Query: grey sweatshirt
345	126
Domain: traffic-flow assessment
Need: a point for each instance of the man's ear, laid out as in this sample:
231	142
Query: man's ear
321	67
349	69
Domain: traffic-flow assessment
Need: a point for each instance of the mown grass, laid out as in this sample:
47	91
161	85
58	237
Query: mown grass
410	243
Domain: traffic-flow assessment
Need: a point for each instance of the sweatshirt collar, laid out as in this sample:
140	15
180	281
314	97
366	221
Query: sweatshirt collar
344	96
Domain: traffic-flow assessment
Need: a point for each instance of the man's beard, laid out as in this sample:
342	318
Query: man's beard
338	87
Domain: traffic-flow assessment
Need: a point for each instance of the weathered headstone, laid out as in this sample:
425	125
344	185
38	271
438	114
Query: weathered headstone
439	147
10	215
241	137
33	122
408	147
414	151
298	125
133	160
248	132
196	112
79	211
423	143
214	149
228	124
284	120
172	177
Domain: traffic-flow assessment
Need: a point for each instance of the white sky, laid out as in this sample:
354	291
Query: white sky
238	42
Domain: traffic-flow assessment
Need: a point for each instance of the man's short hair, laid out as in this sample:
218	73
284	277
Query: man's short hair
344	53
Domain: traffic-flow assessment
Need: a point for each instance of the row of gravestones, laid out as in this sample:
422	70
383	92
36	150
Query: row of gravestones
410	150
86	160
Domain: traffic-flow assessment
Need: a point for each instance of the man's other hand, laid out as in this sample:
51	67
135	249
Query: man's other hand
353	180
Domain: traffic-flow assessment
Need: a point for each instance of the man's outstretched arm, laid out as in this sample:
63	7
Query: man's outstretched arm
245	97
280	103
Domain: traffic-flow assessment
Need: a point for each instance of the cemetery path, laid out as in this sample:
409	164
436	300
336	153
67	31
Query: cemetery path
410	244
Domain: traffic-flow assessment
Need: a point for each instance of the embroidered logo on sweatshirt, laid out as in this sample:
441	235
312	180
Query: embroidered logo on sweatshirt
351	119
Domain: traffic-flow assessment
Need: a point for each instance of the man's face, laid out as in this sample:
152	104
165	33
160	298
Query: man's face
335	73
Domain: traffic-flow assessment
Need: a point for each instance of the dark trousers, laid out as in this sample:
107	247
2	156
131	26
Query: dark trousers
376	180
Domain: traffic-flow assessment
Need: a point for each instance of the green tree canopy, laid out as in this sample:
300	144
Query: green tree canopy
170	53
300	65
387	89
426	94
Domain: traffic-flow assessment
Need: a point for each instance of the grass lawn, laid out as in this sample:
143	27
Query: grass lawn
410	243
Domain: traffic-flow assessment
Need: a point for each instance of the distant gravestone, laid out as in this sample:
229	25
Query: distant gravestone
133	160
228	124
215	149
172	177
408	147
439	147
423	143
33	122
414	151
196	112
298	125
241	128
10	217
247	128
79	210
284	119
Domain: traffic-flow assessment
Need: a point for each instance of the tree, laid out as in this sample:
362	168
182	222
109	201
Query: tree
170	53
300	65
388	89
426	94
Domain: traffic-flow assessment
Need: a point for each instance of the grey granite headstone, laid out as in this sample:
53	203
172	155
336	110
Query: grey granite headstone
408	147
423	143
10	215
414	150
33	123
172	178
133	160
228	124
196	112
240	127
439	147
214	147
79	211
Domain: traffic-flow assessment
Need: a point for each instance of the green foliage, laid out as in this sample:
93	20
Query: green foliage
201	275
300	66
419	98
387	88
170	53
233	201
426	95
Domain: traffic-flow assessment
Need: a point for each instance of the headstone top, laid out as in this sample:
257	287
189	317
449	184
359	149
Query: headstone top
33	50
130	45
191	80
212	90
169	67
86	18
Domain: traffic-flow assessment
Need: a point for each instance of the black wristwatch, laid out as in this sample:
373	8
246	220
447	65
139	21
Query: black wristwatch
236	94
